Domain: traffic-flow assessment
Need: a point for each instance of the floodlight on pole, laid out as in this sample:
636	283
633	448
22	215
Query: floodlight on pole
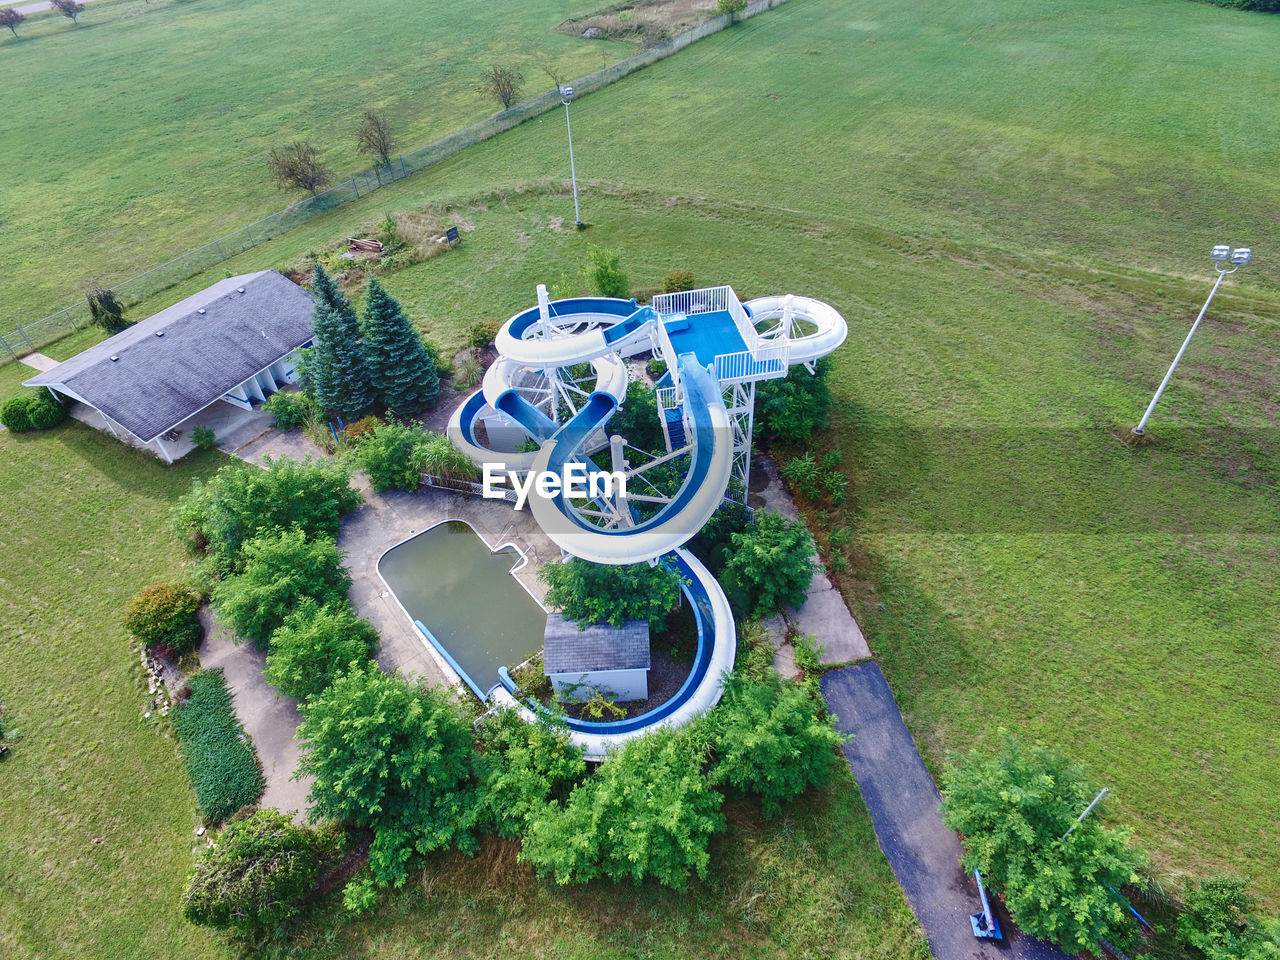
1225	261
566	96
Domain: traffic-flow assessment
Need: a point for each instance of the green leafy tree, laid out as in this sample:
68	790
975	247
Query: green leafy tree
597	593
105	310
606	273
772	739
791	408
165	613
771	565
315	644
399	365
637	419
242	501
522	767
256	874
730	8
647	812
338	376
1218	922
713	544
395	757
11	17
1014	809
390	456
281	570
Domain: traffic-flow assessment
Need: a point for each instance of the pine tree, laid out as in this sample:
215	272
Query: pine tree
335	368
399	365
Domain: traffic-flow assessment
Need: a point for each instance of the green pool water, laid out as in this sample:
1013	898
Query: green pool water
464	593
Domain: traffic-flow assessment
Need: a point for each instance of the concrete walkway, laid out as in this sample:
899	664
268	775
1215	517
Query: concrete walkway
38	361
269	717
904	805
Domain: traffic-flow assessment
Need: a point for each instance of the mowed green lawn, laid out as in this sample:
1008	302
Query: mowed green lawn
144	132
1014	210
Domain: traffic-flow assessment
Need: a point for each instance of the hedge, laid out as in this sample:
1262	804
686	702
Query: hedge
220	761
32	411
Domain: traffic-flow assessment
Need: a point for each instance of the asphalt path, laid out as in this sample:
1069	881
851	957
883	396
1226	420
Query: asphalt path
904	804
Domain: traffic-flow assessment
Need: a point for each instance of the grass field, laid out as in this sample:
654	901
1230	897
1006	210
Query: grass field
1017	232
145	131
1013	210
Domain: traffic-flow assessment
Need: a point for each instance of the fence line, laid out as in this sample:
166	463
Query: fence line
26	338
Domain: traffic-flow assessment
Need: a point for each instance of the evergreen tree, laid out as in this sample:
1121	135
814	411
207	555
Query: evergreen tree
399	365
336	371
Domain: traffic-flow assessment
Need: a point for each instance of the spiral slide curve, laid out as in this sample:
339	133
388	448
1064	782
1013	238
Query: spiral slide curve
598	331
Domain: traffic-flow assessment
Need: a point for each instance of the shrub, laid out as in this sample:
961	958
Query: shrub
280	571
242	501
772	739
803	474
362	429
657	367
1218	923
713	544
314	645
771	565
395	757
595	593
521	768
647	812
607	275
793	407
32	411
389	456
467	368
437	455
220	761
1014	809
291	410
481	333
677	281
204	438
165	613
256	874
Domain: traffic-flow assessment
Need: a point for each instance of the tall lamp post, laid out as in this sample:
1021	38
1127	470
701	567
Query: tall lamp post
566	97
1225	261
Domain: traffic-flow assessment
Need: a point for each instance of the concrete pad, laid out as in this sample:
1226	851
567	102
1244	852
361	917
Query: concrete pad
784	661
38	361
825	617
270	718
777	630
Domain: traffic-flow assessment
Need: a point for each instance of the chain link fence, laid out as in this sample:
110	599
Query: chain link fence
26	338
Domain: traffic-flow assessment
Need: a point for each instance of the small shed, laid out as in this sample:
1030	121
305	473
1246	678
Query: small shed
612	660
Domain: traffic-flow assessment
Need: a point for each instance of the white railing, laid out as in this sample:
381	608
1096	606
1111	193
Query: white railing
664	344
690	302
667	398
764	363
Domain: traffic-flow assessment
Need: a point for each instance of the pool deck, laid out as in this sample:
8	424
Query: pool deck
389	518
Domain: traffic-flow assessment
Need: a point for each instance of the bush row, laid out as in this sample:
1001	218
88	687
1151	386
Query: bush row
32	411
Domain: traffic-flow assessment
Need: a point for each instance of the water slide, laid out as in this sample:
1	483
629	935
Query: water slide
599	332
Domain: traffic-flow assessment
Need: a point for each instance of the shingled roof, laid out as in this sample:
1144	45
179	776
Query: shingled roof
162	370
566	649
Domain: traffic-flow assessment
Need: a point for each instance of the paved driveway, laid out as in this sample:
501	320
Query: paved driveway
904	802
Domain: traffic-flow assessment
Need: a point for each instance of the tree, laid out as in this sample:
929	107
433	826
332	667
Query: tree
298	165
374	137
338	376
502	84
399	366
314	645
281	570
1218	923
165	613
647	812
1015	809
771	565
69	9
772	739
522	767
10	17
256	874
105	310
242	501
637	419
598	593
390	456
791	408
606	273
730	8
393	756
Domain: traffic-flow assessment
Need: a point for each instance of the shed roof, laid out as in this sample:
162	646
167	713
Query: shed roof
175	363
566	649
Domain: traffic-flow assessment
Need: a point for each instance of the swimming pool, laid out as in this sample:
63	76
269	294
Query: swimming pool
465	600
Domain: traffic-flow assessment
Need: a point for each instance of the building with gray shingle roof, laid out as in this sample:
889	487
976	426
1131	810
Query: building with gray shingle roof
613	660
235	341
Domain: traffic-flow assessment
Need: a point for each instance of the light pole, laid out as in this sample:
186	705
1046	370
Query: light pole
1225	261
566	96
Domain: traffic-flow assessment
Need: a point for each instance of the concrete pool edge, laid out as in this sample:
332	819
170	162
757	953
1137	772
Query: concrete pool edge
439	654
